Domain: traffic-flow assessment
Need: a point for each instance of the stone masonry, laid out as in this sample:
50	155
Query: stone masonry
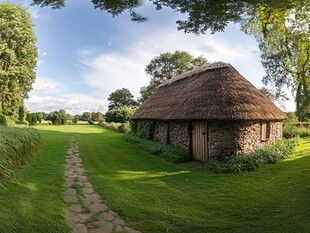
225	138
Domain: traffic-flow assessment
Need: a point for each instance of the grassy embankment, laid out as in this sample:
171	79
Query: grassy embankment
154	195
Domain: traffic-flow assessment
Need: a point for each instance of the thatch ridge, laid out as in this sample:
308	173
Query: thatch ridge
212	92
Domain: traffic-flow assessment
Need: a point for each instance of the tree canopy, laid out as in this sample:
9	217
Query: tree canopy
168	65
18	54
284	41
121	98
201	15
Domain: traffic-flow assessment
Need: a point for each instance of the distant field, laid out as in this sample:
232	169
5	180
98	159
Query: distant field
153	195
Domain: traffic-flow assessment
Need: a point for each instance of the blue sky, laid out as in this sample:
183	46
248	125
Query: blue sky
85	54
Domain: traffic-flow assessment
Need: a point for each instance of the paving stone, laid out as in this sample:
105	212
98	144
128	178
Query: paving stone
92	198
68	182
104	228
84	217
108	221
70	191
97	207
70	198
118	228
80	228
82	178
88	190
72	218
108	216
119	221
76	208
88	185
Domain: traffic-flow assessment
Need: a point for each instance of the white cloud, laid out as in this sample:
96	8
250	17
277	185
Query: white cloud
33	10
73	103
44	84
44	53
110	71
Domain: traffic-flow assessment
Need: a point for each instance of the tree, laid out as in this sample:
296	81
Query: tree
121	98
59	117
18	57
98	116
284	40
76	119
201	15
86	116
167	65
121	115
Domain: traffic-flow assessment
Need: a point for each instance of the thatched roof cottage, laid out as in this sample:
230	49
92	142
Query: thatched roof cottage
212	112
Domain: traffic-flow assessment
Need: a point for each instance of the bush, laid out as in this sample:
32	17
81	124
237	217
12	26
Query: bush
118	127
294	130
168	152
16	146
290	131
120	115
252	161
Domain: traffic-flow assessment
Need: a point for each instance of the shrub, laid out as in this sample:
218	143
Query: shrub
168	152
118	127
120	115
252	161
290	131
16	146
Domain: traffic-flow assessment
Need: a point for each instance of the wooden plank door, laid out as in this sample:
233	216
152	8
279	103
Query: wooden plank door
200	140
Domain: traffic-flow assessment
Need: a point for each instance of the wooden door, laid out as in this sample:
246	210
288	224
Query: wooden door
200	140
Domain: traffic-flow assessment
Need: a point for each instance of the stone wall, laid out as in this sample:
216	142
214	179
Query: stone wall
173	132
179	134
233	138
160	131
225	138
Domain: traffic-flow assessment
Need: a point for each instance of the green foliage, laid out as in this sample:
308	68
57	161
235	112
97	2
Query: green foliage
118	127
291	130
168	152
201	15
86	116
283	35
75	119
252	161
6	121
120	115
18	58
59	117
168	65
144	129
16	146
121	98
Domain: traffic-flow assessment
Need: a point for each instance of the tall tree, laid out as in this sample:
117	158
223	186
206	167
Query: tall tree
284	40
18	54
121	98
201	15
167	65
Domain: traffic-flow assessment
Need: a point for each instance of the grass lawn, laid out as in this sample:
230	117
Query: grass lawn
153	195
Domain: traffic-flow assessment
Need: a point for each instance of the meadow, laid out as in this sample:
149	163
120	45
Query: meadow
154	195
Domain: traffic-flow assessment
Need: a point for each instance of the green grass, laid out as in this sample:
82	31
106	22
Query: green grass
16	146
153	195
33	201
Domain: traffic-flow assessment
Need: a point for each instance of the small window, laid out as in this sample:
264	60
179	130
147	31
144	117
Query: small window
265	131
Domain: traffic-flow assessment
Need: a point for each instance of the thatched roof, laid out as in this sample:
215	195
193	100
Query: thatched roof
212	92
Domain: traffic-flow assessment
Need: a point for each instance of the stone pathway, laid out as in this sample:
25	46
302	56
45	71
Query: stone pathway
87	212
